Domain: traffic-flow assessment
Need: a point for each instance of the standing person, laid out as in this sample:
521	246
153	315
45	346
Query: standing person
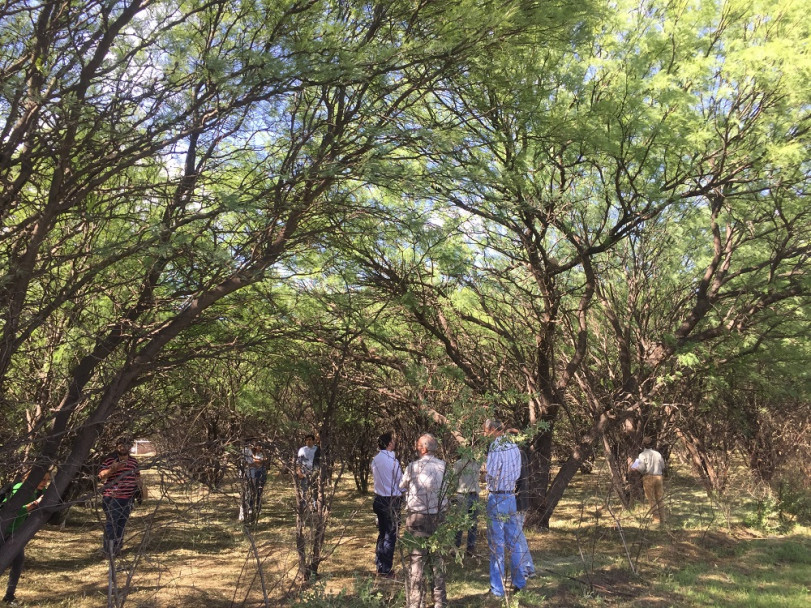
16	566
466	473
306	464
122	479
503	468
426	502
522	504
256	475
652	467
387	476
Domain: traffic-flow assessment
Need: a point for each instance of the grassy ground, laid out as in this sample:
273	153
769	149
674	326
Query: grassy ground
185	548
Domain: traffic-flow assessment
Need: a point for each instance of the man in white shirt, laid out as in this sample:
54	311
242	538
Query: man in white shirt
387	474
466	473
652	467
426	503
503	469
306	464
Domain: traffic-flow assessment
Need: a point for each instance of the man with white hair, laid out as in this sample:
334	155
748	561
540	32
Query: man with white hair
651	466
503	469
424	484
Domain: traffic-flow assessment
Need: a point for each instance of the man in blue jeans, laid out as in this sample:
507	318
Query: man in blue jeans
122	479
388	496
503	469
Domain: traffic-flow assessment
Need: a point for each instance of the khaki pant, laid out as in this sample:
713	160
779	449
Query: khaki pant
421	527
654	492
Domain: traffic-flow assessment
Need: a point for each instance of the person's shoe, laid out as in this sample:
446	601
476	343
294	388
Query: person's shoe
10	601
517	589
390	574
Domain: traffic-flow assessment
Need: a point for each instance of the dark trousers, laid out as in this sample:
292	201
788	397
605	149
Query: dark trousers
468	503
254	486
118	512
14	571
387	509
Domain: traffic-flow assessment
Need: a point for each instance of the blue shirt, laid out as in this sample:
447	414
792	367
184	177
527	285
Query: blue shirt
503	466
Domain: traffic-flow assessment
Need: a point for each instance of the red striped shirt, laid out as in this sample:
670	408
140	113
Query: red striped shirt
123	483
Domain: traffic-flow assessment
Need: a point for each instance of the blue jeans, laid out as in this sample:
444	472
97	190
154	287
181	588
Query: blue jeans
14	571
387	509
118	512
503	531
527	565
470	503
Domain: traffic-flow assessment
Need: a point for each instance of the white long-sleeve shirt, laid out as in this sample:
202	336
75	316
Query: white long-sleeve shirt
387	474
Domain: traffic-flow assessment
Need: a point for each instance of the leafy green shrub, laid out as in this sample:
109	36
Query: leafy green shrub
366	595
763	513
793	502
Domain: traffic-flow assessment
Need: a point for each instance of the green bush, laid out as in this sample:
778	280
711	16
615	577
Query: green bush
366	595
793	502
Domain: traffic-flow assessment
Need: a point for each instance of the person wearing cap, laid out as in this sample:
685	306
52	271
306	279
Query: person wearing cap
122	480
503	468
651	466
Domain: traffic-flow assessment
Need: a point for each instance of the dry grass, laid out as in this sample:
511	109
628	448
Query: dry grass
185	548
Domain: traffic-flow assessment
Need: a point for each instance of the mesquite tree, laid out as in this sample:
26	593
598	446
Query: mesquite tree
157	158
616	205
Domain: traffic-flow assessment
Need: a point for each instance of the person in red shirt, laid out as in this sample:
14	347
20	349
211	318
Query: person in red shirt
122	481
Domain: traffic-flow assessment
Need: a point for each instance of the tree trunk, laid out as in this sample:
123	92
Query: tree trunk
701	465
618	482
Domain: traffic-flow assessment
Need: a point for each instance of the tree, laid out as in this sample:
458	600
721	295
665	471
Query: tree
568	173
157	159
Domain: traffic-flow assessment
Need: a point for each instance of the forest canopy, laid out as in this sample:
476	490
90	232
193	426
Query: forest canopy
589	219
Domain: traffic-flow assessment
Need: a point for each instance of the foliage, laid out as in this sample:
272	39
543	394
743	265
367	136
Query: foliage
364	595
589	219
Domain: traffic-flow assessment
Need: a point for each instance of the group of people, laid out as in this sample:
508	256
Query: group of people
254	464
426	488
428	493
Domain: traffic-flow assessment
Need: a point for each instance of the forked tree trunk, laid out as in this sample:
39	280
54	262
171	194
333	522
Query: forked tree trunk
701	464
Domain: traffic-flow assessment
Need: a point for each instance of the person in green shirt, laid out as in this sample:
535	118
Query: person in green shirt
16	567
